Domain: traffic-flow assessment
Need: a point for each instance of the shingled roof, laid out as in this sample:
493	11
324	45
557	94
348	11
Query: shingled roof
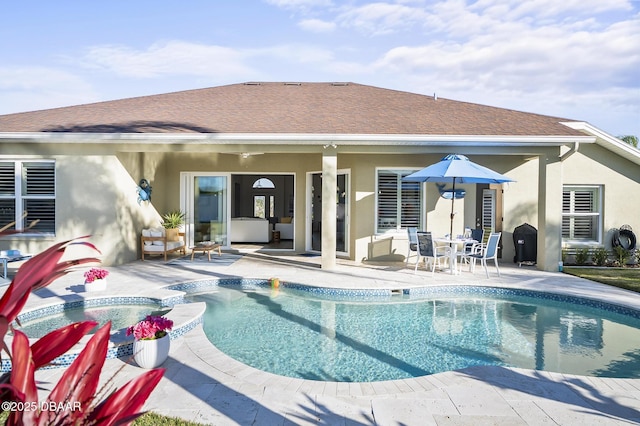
303	108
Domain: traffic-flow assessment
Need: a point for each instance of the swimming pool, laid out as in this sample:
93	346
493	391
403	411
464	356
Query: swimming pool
121	316
309	335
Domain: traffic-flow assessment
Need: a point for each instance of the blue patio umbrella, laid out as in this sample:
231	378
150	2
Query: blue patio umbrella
455	168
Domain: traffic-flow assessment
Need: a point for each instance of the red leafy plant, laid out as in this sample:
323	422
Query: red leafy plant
95	274
151	328
75	399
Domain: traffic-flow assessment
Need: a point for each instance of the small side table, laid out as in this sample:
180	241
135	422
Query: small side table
205	248
275	236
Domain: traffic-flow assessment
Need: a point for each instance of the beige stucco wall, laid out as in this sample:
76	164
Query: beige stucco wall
620	179
519	199
96	197
96	192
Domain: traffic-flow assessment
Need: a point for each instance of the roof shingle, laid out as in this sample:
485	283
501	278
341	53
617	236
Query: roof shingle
311	108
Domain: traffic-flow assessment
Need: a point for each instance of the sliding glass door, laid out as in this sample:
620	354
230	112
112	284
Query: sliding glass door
342	212
205	199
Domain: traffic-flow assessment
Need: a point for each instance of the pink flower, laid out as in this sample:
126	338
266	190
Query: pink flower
152	327
95	274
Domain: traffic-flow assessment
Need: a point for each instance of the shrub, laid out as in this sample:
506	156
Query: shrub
622	255
582	255
600	256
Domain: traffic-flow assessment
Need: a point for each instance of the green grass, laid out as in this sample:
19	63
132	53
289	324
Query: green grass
628	279
148	419
153	419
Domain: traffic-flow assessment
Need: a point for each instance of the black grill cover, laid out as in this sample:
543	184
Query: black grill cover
525	240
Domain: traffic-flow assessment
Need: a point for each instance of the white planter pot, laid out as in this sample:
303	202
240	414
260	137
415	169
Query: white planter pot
151	353
97	285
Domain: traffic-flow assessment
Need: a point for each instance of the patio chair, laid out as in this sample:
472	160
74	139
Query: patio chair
486	253
413	244
480	237
428	250
7	256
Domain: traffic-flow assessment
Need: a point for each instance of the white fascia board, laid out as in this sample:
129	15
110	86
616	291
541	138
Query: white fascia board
297	139
608	141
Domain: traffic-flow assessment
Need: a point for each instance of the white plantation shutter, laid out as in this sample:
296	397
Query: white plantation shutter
38	192
7	179
489	208
39	179
581	213
398	202
7	193
387	200
29	187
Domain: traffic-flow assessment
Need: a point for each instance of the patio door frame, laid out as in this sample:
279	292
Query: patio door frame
187	202
309	212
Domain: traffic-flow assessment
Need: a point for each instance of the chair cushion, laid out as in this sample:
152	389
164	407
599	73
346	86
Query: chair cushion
171	245
286	219
155	232
146	233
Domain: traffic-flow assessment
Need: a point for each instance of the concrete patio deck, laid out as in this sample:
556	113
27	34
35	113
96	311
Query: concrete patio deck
203	385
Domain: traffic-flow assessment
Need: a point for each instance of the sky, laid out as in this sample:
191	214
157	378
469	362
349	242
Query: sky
575	59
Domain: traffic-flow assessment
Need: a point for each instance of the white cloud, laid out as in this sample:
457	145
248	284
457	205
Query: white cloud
526	61
294	54
30	88
300	4
317	25
517	9
381	18
169	58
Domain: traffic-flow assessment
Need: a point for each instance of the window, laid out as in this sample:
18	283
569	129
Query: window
581	213
398	202
27	188
258	206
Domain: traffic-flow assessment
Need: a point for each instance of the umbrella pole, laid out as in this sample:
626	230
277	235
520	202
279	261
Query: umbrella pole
453	200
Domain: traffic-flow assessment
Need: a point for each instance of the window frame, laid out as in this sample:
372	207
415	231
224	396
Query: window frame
400	172
598	212
21	198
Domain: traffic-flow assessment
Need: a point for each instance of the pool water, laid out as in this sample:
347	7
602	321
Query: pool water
297	334
121	316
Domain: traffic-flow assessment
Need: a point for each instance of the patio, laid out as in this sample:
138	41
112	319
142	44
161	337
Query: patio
203	385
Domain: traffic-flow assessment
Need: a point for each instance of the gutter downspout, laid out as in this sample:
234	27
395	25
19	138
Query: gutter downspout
569	153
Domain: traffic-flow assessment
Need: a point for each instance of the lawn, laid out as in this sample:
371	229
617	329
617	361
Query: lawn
148	419
152	419
627	278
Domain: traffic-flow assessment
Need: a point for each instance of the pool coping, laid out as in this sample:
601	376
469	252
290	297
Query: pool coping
199	386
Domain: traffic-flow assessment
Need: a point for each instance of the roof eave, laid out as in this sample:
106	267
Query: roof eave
607	141
292	138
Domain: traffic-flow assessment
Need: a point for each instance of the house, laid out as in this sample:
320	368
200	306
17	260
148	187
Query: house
321	162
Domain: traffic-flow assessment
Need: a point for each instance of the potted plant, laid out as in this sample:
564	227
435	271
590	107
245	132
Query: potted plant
95	279
152	342
171	222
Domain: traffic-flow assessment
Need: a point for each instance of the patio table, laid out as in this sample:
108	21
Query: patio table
453	253
205	248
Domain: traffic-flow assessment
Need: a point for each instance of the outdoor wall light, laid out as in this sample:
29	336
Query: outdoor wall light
144	191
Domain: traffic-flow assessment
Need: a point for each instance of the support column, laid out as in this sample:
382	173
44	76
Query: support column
549	211
329	207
